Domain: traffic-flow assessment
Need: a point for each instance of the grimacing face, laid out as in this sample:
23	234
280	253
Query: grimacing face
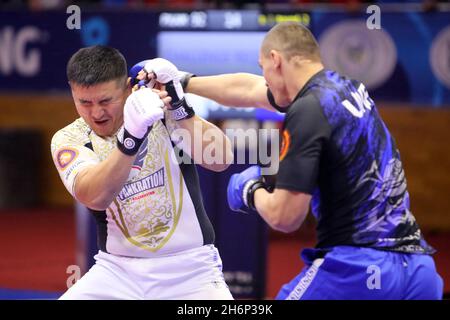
101	105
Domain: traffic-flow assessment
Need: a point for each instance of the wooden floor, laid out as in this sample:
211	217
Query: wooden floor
37	246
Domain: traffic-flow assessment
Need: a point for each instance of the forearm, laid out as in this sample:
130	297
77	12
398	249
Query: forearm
265	204
234	90
208	146
283	210
98	185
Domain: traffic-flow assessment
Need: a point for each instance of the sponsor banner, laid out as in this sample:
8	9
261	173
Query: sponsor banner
36	46
407	60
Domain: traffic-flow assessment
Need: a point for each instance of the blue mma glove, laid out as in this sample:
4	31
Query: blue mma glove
133	73
241	189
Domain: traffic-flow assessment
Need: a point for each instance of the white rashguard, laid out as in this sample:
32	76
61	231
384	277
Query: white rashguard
157	221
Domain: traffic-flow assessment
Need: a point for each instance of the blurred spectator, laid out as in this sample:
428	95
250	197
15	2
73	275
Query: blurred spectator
13	4
430	5
46	4
114	3
350	5
173	4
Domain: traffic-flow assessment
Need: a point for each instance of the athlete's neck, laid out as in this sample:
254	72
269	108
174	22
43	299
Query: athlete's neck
298	77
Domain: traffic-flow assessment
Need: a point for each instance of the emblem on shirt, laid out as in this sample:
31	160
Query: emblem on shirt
148	183
389	205
147	210
65	156
285	144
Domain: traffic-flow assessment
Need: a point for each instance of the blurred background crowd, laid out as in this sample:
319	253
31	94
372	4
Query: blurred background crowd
215	4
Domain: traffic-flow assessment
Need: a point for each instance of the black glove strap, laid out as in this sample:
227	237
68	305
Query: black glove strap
270	181
180	108
251	193
185	79
127	143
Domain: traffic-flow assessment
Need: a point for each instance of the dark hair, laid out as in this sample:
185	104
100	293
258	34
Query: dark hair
292	39
96	64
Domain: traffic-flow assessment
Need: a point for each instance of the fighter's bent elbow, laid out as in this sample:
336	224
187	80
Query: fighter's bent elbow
226	158
95	204
219	167
285	226
287	222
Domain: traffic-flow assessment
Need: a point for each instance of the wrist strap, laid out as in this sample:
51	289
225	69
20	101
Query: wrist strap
127	143
249	192
181	110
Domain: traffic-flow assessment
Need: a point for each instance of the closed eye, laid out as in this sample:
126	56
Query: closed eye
105	101
85	102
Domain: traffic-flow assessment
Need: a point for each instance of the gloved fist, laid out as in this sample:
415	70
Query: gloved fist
142	109
134	72
167	73
149	80
241	189
163	69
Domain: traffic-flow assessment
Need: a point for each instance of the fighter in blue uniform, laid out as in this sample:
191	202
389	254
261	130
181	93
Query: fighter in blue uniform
338	158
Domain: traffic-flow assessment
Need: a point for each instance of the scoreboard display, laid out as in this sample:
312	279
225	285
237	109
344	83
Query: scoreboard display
223	20
216	42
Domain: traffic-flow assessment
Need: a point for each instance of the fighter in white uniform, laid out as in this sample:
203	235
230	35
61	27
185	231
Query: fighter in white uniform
155	239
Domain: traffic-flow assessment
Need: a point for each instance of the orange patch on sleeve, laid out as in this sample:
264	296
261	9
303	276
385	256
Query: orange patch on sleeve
285	144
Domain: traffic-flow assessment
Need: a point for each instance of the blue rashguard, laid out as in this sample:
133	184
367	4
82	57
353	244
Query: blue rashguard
337	148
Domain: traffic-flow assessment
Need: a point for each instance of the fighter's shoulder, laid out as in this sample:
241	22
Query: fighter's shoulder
306	104
307	115
76	132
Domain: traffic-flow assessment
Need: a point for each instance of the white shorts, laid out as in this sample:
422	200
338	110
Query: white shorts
194	274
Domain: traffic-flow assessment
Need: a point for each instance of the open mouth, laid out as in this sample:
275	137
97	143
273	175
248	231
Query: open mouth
101	122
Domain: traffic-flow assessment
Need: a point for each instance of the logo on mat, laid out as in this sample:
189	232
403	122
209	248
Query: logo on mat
65	157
